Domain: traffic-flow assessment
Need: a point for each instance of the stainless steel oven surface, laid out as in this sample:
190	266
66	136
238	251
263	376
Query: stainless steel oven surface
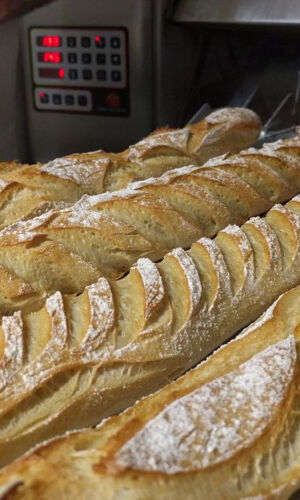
78	76
84	83
90	75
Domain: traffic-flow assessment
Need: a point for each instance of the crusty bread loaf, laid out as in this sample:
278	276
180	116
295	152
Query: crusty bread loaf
103	235
84	357
25	189
227	430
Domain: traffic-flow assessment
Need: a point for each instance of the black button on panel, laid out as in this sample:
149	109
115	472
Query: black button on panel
85	41
101	59
72	57
69	99
87	74
56	99
71	41
44	98
100	42
86	58
82	100
115	59
73	74
116	76
101	75
115	42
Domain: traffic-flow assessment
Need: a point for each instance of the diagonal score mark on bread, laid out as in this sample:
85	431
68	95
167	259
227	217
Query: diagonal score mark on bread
90	355
215	422
67	249
236	429
229	429
29	190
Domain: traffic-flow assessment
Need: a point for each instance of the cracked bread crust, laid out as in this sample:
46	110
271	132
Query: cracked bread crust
227	430
28	189
84	357
69	248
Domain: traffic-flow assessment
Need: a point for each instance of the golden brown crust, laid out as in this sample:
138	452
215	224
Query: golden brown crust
84	357
70	247
258	374
27	187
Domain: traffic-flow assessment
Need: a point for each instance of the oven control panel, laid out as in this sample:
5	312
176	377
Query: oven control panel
80	70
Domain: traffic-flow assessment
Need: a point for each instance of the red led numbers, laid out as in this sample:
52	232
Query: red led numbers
51	41
53	57
61	73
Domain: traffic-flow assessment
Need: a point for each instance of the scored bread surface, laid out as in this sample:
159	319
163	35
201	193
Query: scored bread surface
103	235
84	357
26	190
227	430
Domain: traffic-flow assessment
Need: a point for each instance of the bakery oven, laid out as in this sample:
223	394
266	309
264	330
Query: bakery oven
91	74
86	75
249	56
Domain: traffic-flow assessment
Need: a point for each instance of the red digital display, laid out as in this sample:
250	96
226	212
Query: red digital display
52	57
51	73
51	41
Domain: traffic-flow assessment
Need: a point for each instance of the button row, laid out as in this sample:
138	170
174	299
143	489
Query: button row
115	59
68	99
63	99
85	41
100	41
101	75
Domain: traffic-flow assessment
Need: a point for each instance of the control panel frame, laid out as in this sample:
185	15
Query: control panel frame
97	94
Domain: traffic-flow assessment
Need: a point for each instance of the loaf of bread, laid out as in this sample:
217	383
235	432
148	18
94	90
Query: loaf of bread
84	357
103	235
227	430
26	190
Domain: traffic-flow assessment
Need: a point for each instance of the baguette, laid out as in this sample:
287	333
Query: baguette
25	189
103	235
84	357
227	430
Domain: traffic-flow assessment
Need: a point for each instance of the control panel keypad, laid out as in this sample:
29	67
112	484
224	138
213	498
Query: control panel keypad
63	99
79	57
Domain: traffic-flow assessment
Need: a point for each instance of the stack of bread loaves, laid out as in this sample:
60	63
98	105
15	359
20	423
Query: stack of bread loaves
227	430
87	340
83	357
26	190
103	235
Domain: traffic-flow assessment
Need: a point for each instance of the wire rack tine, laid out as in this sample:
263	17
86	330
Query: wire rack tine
276	112
295	112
